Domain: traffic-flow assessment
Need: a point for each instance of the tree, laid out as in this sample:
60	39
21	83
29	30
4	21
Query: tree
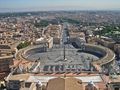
23	45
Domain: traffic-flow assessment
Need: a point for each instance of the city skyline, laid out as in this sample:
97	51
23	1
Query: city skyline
47	5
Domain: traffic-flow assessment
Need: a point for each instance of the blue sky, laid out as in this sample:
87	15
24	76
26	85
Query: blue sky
36	5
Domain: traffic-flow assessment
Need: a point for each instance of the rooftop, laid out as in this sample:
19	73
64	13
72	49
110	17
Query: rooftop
19	77
65	84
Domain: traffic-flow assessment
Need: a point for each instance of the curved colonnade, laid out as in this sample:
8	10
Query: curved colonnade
107	56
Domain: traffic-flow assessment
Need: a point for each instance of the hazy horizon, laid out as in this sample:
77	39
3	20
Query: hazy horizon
54	5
